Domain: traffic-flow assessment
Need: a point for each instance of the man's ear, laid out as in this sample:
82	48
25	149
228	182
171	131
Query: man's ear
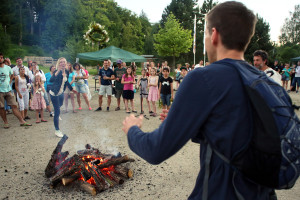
214	36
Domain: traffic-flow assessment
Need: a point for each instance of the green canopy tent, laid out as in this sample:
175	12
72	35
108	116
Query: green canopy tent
295	59
112	53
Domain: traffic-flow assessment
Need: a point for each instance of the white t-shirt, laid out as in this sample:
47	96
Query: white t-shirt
297	70
273	75
16	71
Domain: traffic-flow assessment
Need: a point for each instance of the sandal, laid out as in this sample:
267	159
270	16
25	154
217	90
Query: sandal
151	112
128	112
44	120
26	124
6	126
37	122
134	111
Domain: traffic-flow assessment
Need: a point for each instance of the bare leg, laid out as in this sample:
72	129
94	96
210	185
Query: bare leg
17	114
78	100
42	114
148	105
37	115
118	102
72	101
86	100
108	100
154	107
142	108
25	113
126	105
100	100
3	115
132	104
66	101
22	114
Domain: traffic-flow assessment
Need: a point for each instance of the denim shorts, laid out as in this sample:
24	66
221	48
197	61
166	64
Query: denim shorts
166	99
296	80
81	88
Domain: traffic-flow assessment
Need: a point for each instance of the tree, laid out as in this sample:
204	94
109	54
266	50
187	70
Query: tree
260	39
290	31
172	40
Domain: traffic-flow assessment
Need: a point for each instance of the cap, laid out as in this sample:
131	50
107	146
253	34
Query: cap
119	61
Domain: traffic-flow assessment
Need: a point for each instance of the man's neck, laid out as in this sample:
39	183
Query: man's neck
166	77
223	53
106	68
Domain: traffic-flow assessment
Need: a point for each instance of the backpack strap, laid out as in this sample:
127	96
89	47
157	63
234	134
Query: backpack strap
207	171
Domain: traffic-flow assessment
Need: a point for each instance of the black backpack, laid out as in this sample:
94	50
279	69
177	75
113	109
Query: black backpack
272	158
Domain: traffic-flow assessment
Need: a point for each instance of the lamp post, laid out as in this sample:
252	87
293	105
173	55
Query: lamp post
194	44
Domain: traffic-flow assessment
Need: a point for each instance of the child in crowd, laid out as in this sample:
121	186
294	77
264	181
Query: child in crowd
38	101
22	84
143	84
178	76
184	72
166	88
128	81
68	92
153	90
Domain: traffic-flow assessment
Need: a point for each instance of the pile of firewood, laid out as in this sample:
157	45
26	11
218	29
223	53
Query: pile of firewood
91	169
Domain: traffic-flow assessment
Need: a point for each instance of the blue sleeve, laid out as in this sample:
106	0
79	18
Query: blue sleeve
189	111
100	72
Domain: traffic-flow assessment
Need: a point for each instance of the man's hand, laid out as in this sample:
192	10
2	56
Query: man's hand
164	115
132	121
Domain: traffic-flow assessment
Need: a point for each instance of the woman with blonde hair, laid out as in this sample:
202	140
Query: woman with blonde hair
60	82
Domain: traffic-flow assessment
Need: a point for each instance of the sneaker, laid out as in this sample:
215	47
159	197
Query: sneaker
60	118
51	114
107	109
117	108
98	109
58	133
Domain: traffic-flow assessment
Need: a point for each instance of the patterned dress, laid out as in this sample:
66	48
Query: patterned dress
38	101
153	90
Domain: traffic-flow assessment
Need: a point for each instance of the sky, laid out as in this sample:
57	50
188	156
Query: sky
273	12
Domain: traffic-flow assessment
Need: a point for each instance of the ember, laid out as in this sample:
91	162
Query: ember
91	169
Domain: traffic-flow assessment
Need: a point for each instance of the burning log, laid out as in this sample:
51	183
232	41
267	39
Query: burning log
116	178
88	188
115	161
94	170
67	180
125	172
71	167
100	183
56	157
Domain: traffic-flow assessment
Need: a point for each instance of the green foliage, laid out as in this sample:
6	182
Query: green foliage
4	41
287	51
172	40
260	39
290	31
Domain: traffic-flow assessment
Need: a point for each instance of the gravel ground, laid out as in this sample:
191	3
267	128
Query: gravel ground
25	152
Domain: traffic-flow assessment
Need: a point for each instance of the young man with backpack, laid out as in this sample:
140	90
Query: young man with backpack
215	99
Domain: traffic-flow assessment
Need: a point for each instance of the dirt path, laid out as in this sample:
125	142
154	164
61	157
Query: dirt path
25	152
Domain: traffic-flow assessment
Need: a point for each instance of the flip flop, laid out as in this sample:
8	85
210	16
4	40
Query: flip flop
37	122
134	111
26	124
6	126
44	120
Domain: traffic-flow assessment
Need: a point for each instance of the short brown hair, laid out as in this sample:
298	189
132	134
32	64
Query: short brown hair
235	23
263	54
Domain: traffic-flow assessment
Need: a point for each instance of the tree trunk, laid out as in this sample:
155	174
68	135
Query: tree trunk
30	9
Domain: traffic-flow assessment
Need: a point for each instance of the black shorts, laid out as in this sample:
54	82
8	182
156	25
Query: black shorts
128	94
